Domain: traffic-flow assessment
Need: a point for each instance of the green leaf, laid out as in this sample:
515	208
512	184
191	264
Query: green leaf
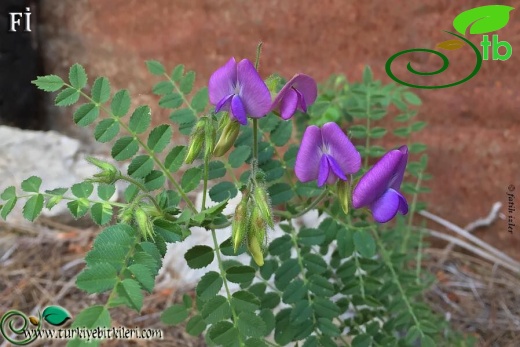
402	132
186	83
143	275
170	231
427	341
159	138
362	340
67	97
223	334
101	90
106	130
140	119
418	126
209	285
285	273
358	131
175	158
195	325
412	98
244	301
417	147
364	244
78	208
281	134
413	335
121	234
191	178
216	309
120	103
483	19
223	191
368	77
377	132
10	193
323	307
311	237
101	213
141	166
280	193
199	256
49	83
77	76
177	72
86	114
130	290
92	317
162	88
30	185
155	67
301	312
155	180
125	148
320	285
172	100
294	292
200	100
255	342
216	169
249	324
240	274
55	315
82	190
97	278
174	315
33	207
328	328
280	245
239	156
147	260
314	263
105	191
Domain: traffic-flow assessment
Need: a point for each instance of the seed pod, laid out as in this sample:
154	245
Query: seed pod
108	172
263	202
126	215
344	195
209	139
240	224
256	250
227	138
196	141
144	223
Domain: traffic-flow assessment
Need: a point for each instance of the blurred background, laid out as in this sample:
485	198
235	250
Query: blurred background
473	132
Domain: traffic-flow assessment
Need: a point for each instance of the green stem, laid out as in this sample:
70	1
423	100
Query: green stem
116	204
133	181
289	216
367	143
395	278
412	213
223	275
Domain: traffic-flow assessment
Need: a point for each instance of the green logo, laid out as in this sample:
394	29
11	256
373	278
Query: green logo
479	20
14	322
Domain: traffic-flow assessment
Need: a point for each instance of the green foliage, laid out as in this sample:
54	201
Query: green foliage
310	277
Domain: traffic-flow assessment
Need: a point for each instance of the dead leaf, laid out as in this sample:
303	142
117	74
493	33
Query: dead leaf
451	45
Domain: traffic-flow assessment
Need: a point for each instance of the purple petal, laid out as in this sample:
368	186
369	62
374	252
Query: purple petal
253	92
222	82
376	181
223	104
335	168
324	171
305	85
403	204
385	208
288	104
237	110
397	179
340	147
302	105
309	155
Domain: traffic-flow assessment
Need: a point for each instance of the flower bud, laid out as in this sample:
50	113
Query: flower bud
256	251
227	138
108	172
264	205
144	223
272	83
344	195
196	141
240	223
125	215
209	139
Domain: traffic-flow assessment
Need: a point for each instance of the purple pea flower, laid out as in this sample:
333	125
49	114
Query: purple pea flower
240	89
325	155
379	187
297	94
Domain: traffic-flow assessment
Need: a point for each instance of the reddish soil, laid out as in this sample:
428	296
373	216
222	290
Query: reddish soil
473	131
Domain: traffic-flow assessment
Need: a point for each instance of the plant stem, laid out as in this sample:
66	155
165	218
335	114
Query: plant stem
287	215
412	213
367	143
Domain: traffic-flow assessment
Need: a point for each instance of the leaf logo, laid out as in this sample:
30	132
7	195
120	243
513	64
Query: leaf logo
482	20
55	315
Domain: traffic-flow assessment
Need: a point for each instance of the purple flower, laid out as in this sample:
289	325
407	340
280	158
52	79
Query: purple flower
297	94
379	187
325	155
240	89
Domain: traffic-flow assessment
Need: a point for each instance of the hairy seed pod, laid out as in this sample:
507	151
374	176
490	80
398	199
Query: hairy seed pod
256	250
196	141
126	215
227	138
144	223
240	223
263	202
108	172
210	135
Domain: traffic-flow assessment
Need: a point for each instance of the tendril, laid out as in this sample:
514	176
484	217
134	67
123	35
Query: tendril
9	319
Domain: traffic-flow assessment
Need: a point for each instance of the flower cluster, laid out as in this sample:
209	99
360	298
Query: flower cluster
326	154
